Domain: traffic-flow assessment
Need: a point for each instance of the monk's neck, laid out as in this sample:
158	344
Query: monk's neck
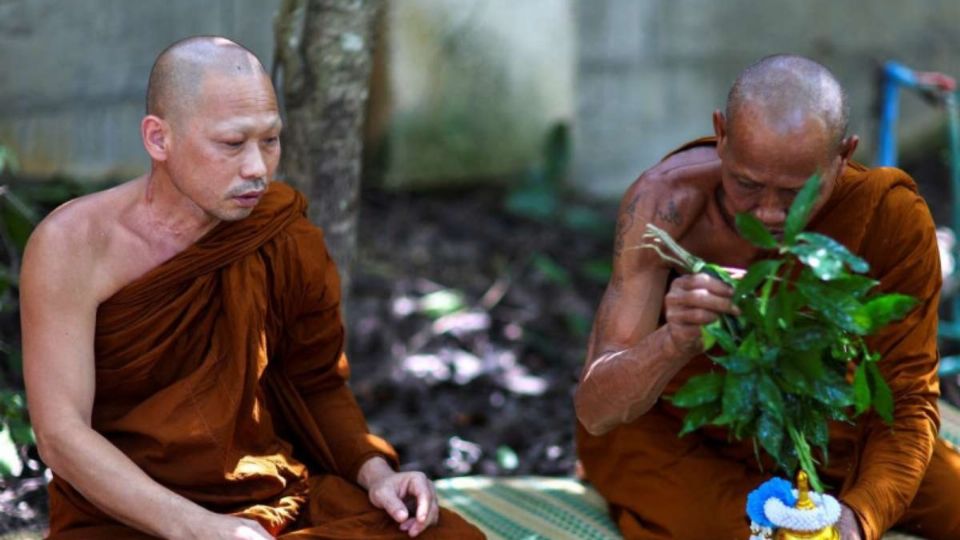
167	218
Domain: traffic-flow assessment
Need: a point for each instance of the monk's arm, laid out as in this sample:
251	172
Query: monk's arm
58	313
629	358
893	459
313	356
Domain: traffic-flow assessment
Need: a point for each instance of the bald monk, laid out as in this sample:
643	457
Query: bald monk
785	119
183	348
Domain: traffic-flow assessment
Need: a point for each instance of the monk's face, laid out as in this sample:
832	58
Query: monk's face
225	146
764	167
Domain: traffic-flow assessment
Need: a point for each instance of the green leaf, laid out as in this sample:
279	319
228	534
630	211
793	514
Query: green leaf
793	379
826	257
533	201
770	395
753	230
861	388
834	391
584	219
699	416
578	324
837	306
750	312
806	458
735	363
721	336
699	390
880	393
22	433
883	309
442	302
815	428
810	364
808	337
738	397
756	274
597	270
800	209
855	285
554	273
707	334
770	435
718	272
10	463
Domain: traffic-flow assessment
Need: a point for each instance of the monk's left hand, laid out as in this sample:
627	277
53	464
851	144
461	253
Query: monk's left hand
387	489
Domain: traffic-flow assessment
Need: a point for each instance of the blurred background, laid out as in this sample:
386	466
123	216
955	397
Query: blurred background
469	156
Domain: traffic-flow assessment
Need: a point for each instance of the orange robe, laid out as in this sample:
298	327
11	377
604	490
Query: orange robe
661	486
221	374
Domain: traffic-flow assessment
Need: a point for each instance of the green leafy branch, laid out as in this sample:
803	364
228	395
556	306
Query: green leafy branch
784	361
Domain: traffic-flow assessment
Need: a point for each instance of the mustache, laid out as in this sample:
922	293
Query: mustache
259	184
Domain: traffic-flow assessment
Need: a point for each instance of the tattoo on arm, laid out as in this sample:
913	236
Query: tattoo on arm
670	214
624	224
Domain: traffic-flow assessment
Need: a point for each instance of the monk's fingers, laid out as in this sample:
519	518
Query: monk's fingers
703	281
698	299
386	497
408	524
422	488
691	317
434	516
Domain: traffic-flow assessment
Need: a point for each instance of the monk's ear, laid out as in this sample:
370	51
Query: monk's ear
720	129
155	133
848	146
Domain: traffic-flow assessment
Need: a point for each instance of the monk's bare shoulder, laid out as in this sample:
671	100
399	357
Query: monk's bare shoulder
672	195
68	247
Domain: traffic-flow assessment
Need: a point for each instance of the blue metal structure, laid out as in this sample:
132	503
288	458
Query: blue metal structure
943	89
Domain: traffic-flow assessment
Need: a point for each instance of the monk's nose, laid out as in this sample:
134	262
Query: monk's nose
254	166
772	216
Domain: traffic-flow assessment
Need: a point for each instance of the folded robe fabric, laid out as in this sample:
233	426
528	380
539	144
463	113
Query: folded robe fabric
221	374
650	475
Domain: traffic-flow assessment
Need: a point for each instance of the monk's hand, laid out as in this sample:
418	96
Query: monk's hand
693	301
389	490
849	526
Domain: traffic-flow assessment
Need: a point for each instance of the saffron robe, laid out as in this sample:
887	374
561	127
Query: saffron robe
661	486
221	374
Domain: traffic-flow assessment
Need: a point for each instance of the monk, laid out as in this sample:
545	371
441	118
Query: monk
785	119
182	340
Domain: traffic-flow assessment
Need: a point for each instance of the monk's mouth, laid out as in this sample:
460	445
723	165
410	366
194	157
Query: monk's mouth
248	200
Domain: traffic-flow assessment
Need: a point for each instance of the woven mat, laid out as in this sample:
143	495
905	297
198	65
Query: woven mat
529	508
533	508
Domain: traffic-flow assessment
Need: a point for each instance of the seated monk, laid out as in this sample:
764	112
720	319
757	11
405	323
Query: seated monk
183	347
785	119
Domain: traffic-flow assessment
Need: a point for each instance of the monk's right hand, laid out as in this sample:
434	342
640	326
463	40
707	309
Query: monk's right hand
693	301
223	527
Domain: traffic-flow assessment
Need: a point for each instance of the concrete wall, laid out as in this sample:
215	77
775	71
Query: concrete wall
73	74
650	72
471	87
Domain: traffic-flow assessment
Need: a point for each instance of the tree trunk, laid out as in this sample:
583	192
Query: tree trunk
324	49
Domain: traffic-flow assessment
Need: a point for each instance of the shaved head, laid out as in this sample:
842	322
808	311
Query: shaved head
785	92
176	77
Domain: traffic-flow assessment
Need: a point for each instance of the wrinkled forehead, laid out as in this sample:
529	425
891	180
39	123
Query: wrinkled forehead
241	102
794	131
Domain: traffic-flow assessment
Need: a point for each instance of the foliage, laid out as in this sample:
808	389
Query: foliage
16	221
784	361
542	196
